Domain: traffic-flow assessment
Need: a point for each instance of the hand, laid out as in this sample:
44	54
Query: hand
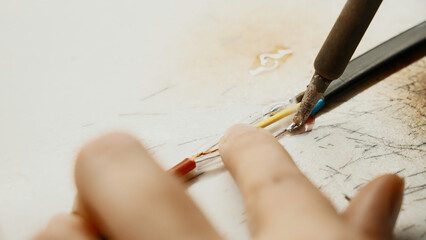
124	194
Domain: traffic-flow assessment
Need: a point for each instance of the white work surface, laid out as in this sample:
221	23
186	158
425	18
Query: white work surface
176	75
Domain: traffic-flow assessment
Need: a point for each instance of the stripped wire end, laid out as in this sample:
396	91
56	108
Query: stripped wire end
187	165
183	168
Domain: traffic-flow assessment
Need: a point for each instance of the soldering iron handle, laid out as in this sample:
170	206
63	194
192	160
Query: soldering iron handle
344	37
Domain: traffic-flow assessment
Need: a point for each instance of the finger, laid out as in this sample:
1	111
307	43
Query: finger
374	210
129	196
67	226
279	198
80	210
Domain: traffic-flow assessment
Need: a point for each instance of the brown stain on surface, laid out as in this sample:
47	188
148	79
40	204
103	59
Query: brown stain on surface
407	93
221	45
398	93
216	49
231	43
410	89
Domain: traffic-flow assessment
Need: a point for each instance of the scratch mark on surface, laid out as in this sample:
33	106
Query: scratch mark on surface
414	189
156	146
347	198
420	199
156	93
319	139
336	172
194	140
380	155
399	171
140	114
415	174
229	89
420	186
347	178
408	227
358	186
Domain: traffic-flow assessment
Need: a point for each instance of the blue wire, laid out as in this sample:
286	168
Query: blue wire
318	106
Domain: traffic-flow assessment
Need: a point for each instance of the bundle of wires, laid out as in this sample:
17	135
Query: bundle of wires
358	69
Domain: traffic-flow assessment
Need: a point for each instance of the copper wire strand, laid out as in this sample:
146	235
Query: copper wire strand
272	113
275	114
204	153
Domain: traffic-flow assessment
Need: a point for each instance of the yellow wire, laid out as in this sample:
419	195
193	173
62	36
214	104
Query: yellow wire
278	116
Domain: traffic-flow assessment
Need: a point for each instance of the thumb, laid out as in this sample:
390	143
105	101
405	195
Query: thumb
374	210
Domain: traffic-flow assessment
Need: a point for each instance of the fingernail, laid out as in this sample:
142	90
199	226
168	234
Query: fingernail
236	130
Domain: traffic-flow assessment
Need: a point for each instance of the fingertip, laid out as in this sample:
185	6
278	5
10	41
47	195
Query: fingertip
273	188
397	180
105	150
238	130
395	184
106	143
124	191
375	209
392	188
391	178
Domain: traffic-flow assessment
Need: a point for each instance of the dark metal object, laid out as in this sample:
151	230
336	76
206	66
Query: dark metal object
365	64
344	37
377	57
336	51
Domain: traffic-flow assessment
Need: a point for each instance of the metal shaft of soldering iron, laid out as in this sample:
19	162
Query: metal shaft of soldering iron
336	52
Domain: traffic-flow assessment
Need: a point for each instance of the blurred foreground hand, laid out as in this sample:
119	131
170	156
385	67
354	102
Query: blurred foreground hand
124	194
